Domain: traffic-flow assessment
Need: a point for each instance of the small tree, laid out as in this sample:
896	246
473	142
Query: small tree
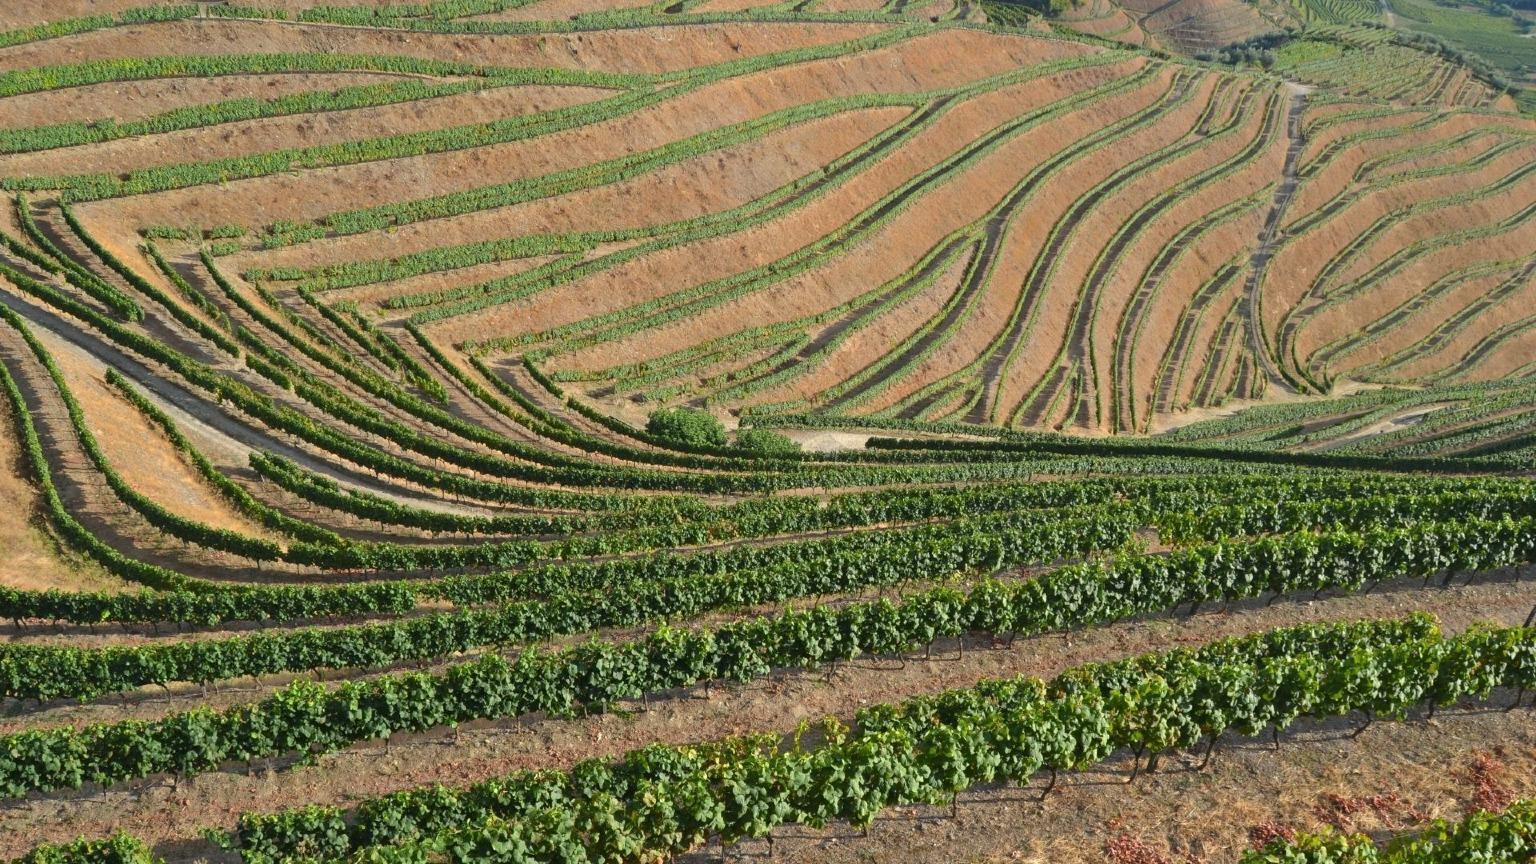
687	427
765	442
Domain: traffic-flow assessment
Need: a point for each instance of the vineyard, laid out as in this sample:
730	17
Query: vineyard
595	431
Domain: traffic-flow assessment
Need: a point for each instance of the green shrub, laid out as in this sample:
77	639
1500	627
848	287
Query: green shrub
118	849
765	441
687	426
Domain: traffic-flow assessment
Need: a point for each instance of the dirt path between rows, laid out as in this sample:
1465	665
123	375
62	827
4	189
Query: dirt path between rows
1249	302
224	439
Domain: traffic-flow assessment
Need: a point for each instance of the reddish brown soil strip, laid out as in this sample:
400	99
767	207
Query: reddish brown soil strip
873	342
849	5
15	15
1297	264
1018	240
136	449
674	269
131	100
731	5
705	184
555	10
915	65
28	557
1318	140
1484	209
1419	325
1180	285
1348	316
1516	306
640	49
1318	189
308	130
1059	292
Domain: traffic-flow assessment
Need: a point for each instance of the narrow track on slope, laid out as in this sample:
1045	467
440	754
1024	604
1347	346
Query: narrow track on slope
996	229
993	230
1248	302
1170	375
936	264
1078	348
1149	288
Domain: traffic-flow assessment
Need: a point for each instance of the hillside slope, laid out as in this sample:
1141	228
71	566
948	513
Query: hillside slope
331	338
811	212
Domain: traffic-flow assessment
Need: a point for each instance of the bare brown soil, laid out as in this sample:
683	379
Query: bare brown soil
1347	316
1114	24
29	558
1298	263
1445	158
1320	136
1066	280
853	6
674	269
16	15
914	65
641	49
884	256
873	342
1418	326
137	450
935	8
1337	174
83	493
1513	308
553	10
1325	113
1160	232
1199	25
716	181
1180	284
306	130
1120	208
1513	354
1483	210
131	100
1204	343
994	308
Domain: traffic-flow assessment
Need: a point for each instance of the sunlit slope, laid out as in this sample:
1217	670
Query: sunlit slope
807	212
340	523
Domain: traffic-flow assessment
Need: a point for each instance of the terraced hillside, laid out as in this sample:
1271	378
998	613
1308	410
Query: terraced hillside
342	524
1053	234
